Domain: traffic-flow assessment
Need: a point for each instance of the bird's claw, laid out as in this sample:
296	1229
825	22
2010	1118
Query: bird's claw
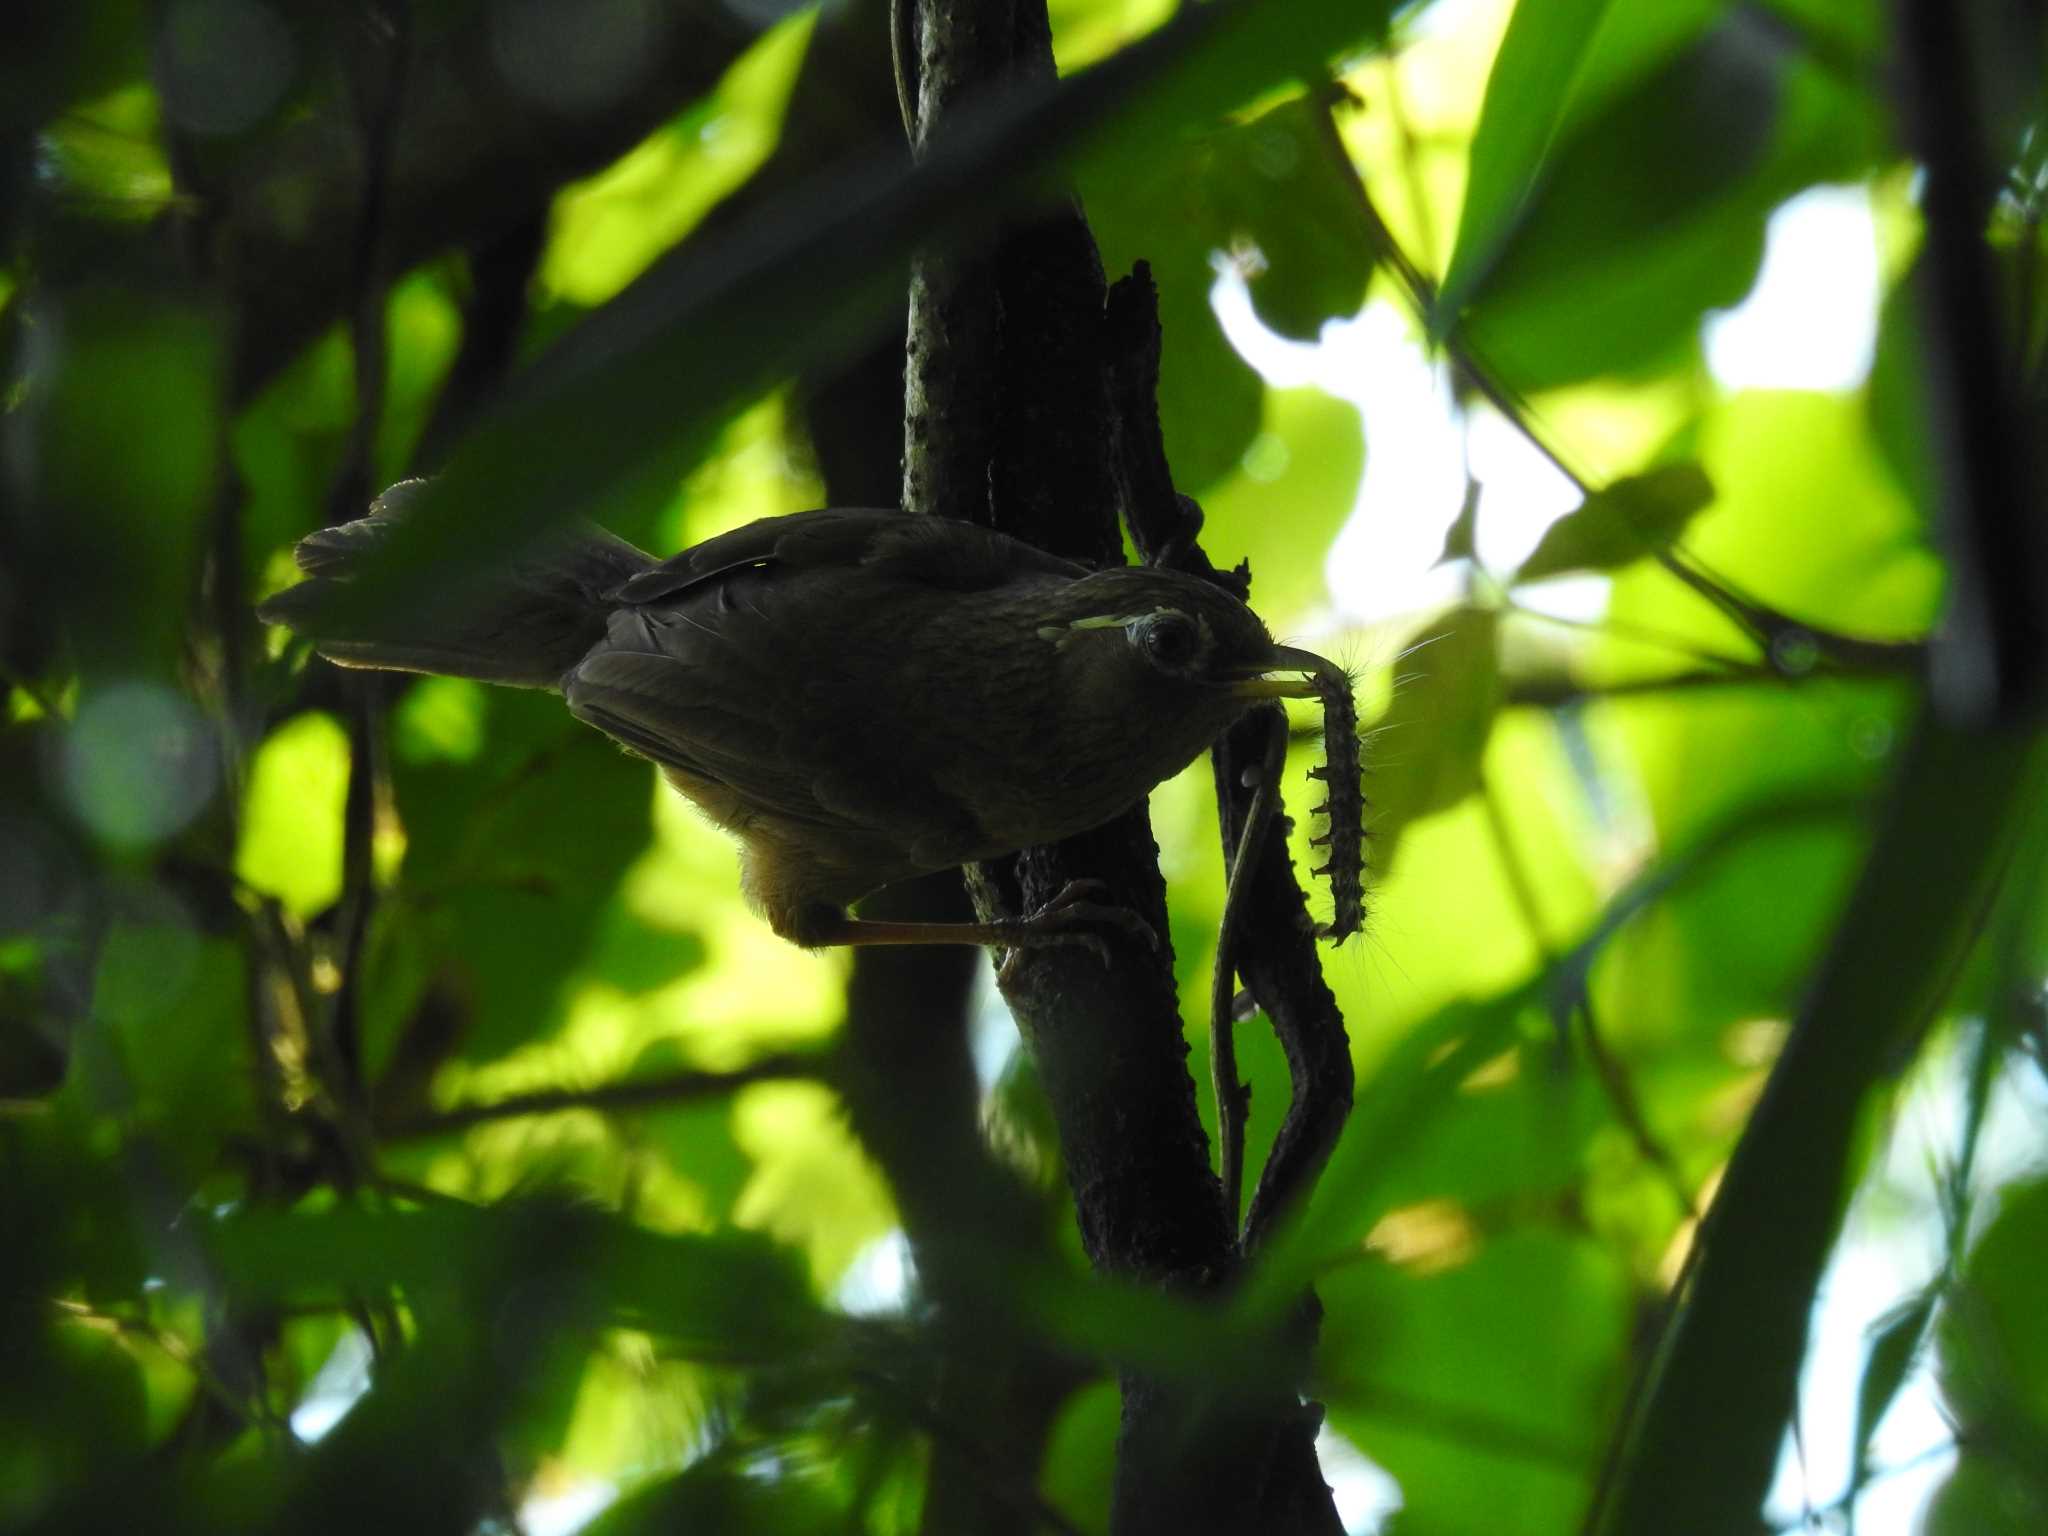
1068	918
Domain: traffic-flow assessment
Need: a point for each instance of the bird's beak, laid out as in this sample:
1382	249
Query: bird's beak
1285	658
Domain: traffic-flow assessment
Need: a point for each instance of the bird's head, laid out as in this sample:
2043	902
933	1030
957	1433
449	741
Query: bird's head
1169	659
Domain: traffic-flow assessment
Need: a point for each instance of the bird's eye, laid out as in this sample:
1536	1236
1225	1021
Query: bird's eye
1170	640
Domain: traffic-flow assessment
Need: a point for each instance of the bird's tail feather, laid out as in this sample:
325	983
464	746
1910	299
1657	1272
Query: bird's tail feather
526	624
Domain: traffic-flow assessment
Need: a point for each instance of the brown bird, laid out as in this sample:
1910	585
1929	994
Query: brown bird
857	696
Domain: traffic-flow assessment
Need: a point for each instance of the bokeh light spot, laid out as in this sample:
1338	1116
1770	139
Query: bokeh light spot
223	64
137	763
573	59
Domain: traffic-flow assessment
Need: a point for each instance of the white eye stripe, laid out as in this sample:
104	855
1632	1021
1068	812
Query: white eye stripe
1113	621
1063	635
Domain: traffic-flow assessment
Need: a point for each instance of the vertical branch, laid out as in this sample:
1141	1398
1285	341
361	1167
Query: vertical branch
1994	664
951	351
1008	419
380	60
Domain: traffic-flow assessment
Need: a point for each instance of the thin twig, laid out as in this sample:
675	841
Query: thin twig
1520	885
610	1098
386	24
1768	627
1232	1096
1628	1108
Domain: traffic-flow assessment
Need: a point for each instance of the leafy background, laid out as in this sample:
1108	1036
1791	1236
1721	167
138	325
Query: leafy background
598	1228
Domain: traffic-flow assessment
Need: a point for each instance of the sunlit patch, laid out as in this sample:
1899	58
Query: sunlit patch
1497	1073
605	231
1365	1493
562	1507
1383	563
877	1282
324	974
1427	1238
291	844
137	763
1671	1264
754	989
811	1186
1810	322
340	1382
1754	1042
1724	1114
1522	493
1267	458
1084	33
440	719
106	154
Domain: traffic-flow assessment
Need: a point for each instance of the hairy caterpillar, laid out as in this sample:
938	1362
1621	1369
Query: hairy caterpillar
1343	804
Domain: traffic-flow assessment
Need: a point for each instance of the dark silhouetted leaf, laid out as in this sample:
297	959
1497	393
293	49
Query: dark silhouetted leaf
1621	523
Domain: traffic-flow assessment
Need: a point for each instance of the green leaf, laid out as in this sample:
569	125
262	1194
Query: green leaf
1653	207
1424	753
510	872
606	230
1621	523
1461	538
1988	1494
174	1059
1669	149
1294	490
721	1492
1993	1335
1486	1365
1282	184
1274	193
1897	398
292	814
122	435
1209	396
1526	94
1894	1347
1805	518
710	1294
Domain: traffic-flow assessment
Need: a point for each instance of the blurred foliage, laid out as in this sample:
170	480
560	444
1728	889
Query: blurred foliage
274	941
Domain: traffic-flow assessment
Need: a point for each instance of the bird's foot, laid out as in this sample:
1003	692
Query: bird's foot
1076	915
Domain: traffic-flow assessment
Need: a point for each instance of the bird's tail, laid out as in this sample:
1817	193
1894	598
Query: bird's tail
531	620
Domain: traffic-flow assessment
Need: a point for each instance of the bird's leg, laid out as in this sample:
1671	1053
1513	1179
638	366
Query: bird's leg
1067	919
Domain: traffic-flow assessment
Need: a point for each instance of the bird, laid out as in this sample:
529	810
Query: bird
856	695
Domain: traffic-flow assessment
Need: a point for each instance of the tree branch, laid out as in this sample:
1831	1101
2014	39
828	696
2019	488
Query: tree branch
1008	398
611	1098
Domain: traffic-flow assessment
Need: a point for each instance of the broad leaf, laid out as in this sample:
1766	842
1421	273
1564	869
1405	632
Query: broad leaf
1622	523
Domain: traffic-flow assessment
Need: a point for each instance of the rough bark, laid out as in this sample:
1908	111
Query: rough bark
1009	421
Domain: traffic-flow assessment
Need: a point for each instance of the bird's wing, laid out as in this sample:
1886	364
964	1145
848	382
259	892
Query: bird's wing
722	724
662	709
937	552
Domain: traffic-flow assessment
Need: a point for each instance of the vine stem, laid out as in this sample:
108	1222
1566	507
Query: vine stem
1232	1097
